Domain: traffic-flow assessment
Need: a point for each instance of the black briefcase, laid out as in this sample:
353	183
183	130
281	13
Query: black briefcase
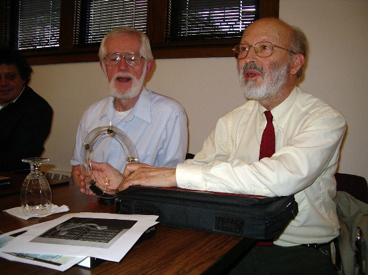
238	215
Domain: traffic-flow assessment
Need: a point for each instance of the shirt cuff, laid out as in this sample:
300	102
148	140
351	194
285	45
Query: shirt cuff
74	162
189	176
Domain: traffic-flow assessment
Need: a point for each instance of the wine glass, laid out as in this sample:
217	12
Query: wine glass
35	194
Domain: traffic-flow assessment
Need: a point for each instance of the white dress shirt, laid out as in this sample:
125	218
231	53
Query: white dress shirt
157	126
308	137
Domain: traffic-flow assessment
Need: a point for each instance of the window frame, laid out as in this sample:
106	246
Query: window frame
68	53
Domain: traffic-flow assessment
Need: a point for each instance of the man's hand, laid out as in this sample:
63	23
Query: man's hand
134	174
146	175
106	176
76	177
80	179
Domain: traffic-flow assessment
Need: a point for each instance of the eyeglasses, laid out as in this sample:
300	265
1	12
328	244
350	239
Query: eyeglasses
131	58
262	49
9	76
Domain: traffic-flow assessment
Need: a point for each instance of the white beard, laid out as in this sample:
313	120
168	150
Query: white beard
272	84
136	88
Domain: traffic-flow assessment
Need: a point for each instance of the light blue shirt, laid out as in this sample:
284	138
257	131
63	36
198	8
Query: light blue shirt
157	126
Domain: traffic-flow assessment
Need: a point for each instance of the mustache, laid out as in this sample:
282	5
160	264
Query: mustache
252	66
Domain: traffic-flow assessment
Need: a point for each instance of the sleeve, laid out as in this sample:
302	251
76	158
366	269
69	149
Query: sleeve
77	155
217	145
176	143
311	149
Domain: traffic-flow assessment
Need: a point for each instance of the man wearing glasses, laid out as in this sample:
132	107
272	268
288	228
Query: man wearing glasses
238	157
25	117
157	125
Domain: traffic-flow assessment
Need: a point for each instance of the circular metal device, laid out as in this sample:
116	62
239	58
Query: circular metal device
99	137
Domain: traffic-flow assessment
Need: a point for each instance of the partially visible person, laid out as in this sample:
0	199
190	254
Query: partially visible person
156	124
308	134
25	117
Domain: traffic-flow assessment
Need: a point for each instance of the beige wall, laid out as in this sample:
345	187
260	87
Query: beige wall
208	87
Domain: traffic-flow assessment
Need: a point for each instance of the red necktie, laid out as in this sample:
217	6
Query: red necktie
268	138
267	149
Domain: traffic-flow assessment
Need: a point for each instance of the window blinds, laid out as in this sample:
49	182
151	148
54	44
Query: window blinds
35	24
210	19
99	17
38	24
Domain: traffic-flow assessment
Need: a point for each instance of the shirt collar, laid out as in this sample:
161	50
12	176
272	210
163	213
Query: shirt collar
141	109
282	112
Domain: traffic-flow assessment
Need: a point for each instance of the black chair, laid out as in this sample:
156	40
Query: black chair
354	185
189	156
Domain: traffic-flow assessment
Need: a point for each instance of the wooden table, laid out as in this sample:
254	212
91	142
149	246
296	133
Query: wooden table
170	251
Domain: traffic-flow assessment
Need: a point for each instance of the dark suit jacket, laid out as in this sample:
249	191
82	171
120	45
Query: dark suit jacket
24	127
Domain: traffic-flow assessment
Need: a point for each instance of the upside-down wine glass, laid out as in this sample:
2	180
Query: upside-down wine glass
35	194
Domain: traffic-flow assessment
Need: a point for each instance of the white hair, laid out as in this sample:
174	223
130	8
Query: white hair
145	49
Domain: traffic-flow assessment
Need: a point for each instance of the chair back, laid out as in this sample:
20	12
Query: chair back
354	185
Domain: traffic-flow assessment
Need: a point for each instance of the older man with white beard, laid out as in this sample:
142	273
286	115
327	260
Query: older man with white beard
157	125
308	135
